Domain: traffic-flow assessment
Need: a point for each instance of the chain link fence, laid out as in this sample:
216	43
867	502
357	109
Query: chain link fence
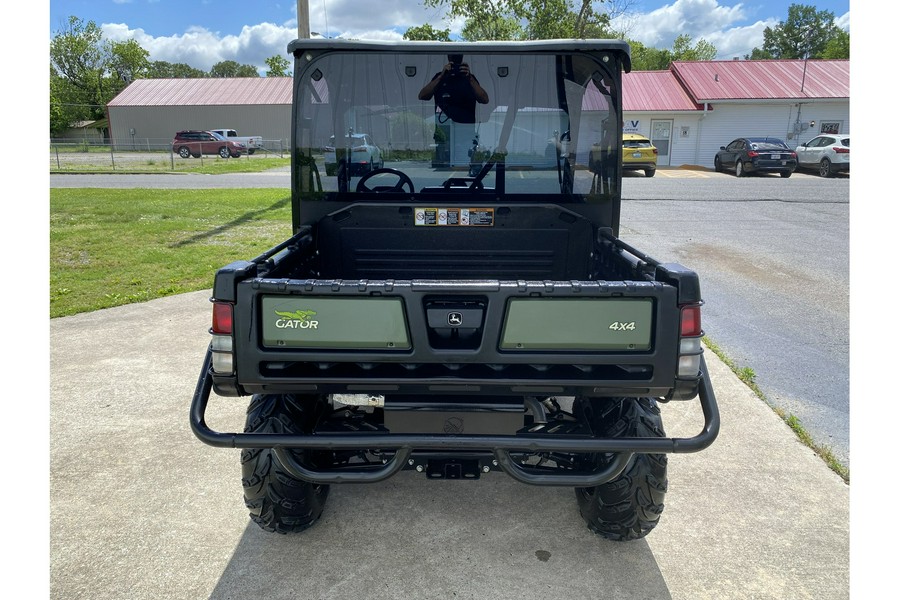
141	155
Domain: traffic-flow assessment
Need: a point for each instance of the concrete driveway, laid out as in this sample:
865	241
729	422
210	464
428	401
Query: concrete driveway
141	509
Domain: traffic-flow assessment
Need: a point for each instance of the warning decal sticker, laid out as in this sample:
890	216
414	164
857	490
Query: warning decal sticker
455	217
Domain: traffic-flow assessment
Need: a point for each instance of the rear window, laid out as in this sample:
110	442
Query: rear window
845	141
553	118
637	143
769	145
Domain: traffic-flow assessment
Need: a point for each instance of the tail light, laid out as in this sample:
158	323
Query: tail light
752	154
222	344
655	151
690	348
840	150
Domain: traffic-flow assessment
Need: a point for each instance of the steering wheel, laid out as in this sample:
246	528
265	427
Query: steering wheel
402	180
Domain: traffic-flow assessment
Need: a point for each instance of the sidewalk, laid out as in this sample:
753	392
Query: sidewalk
141	509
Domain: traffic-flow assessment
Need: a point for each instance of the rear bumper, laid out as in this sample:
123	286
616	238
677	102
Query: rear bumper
500	446
638	166
771	166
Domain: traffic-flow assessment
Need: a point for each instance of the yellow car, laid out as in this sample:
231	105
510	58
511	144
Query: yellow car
638	154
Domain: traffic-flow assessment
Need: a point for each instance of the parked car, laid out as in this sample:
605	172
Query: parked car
750	155
195	143
638	153
251	142
364	155
829	154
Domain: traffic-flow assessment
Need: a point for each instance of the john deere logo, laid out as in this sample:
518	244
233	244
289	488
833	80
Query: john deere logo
454	319
454	425
299	319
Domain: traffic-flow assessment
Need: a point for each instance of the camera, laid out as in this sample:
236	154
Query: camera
456	60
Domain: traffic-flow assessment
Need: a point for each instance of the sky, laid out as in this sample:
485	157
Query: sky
202	33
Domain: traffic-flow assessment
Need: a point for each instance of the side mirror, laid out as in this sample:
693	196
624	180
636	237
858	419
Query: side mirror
721	147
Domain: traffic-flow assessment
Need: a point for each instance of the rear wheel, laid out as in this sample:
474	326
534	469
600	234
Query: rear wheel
786	174
739	169
825	169
278	501
629	506
649	172
223	152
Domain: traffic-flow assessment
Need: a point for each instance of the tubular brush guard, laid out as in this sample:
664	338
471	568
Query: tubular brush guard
499	445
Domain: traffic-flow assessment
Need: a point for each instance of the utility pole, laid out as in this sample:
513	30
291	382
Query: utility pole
805	57
303	19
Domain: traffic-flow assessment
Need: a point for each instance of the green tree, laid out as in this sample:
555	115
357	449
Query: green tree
491	27
683	50
485	19
160	69
644	58
127	60
427	33
838	46
758	54
805	32
230	68
543	19
278	66
78	73
86	72
561	19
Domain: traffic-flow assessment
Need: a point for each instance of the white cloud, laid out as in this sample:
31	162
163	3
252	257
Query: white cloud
201	48
700	19
843	21
341	17
722	26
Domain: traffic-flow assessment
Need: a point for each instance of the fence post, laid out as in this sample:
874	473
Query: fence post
58	166
112	155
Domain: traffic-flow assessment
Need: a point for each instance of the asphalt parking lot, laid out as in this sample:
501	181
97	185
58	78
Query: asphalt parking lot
141	509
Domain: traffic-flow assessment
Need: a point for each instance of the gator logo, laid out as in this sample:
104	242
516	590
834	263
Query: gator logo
299	319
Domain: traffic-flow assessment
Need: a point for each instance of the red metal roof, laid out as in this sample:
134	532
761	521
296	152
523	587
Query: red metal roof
212	91
655	91
684	87
708	81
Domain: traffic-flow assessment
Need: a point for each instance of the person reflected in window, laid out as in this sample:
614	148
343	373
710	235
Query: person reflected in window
456	91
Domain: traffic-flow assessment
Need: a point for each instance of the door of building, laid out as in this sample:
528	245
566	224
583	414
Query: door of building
661	137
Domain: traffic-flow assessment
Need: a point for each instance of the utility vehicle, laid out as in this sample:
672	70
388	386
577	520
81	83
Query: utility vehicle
451	320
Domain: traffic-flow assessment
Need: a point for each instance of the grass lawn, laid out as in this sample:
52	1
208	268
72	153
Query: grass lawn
162	162
110	247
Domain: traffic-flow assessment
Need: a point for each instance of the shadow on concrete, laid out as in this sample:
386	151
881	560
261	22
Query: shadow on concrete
410	537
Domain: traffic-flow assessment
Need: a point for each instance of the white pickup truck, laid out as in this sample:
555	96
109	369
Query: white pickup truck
252	142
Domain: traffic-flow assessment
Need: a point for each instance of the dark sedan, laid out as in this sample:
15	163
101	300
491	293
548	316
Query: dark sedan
756	155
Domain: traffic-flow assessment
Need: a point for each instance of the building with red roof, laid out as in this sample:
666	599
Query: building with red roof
694	108
688	111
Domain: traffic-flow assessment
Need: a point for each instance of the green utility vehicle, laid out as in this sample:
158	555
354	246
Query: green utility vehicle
466	308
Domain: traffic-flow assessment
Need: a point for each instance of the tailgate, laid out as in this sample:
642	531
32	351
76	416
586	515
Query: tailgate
422	336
